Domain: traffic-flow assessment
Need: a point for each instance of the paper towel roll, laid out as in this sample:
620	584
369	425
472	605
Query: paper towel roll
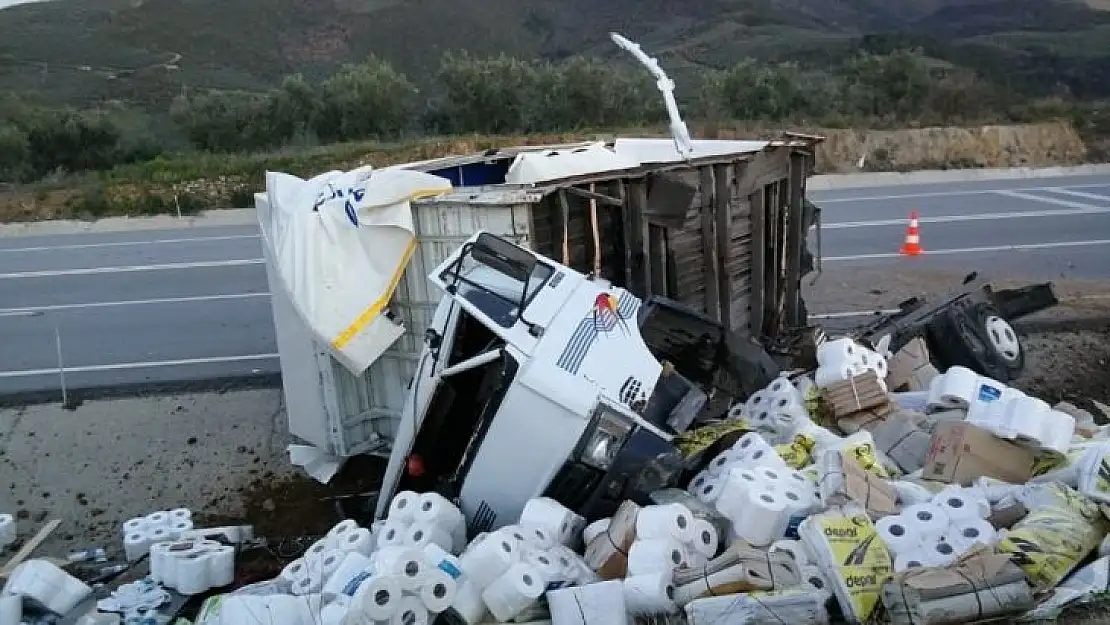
135	545
763	519
958	388
654	556
649	594
378	598
438	591
392	534
402	508
667	521
704	538
468	604
192	574
221	566
358	540
539	537
793	548
488	560
926	520
437	509
410	569
896	532
341	528
439	558
959	506
593	530
410	611
353	568
513	591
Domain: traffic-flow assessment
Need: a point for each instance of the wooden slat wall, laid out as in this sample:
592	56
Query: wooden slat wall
687	247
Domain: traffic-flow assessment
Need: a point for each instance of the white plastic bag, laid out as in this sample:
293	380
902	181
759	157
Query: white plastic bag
341	241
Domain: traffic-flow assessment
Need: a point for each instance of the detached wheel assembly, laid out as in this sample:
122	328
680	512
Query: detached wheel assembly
1004	341
976	337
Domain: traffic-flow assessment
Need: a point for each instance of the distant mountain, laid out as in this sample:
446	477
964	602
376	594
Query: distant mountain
148	51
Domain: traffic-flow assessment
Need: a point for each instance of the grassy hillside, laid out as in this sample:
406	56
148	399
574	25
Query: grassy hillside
149	51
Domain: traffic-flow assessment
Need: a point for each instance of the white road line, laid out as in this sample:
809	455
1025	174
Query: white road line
1086	209
85	246
1089	196
1048	200
123	366
31	310
974	250
52	273
854	313
910	196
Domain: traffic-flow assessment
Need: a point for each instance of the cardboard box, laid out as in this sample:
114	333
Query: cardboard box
844	480
861	392
608	553
961	453
910	368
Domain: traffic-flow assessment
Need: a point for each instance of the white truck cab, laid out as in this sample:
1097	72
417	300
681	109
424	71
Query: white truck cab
534	380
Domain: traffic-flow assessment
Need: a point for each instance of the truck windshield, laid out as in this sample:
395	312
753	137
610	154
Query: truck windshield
499	296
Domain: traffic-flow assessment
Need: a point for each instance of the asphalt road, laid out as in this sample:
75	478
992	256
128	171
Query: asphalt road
185	305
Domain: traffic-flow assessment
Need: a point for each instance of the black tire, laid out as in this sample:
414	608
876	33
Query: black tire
955	339
1001	340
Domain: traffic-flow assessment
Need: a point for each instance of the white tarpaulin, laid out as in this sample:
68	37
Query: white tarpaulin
341	242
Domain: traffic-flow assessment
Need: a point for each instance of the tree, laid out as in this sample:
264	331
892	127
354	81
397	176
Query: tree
226	121
498	95
15	152
294	109
584	92
368	100
891	86
72	141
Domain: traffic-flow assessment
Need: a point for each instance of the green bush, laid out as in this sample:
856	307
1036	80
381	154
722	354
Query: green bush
364	101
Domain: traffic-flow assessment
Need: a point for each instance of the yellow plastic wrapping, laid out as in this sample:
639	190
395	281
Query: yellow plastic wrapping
861	447
1062	528
692	442
850	553
798	452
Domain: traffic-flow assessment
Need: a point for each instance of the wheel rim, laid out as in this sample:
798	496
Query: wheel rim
1003	338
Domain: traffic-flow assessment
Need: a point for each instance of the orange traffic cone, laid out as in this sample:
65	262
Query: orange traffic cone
912	245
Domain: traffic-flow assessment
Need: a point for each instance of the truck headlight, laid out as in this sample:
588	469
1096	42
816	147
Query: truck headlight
604	438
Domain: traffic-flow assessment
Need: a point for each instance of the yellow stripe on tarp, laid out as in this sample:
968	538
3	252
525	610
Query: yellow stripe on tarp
375	308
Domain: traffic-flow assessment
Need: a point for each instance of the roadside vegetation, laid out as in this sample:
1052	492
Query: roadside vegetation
211	147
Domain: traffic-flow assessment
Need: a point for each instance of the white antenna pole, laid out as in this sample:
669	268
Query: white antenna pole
679	132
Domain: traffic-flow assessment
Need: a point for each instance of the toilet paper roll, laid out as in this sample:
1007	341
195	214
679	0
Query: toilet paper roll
911	560
593	530
160	564
898	535
329	562
721	463
353	568
942	552
135	545
704	538
957	389
709	491
358	540
547	566
793	548
191	573
539	537
654	556
307	585
468	605
649	594
926	520
392	534
293	572
177	528
7	530
673	521
597	603
701	479
735	489
763	519
814	577
838	349
158	534
437	509
402	509
438	592
748	444
489	559
424	533
181	514
966	533
317	550
513	591
547	513
131	526
410	611
158	518
11	610
334	613
798	501
959	506
341	528
771	474
437	557
221	566
378	598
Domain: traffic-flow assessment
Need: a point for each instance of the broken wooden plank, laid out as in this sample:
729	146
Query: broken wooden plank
710	258
594	195
29	547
